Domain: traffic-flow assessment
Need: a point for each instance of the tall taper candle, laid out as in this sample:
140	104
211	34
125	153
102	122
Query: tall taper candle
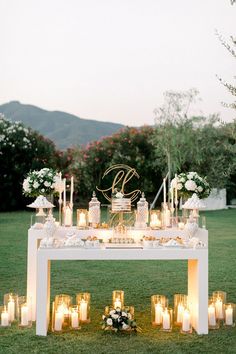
71	191
64	196
164	190
176	189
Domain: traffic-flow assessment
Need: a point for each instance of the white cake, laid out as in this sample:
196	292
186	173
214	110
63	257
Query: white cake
120	204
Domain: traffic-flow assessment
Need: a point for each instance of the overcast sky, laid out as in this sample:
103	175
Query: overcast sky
113	59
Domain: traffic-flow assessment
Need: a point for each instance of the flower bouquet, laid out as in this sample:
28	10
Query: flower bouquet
119	320
189	183
40	182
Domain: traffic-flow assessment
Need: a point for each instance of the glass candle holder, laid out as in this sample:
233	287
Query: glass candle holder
74	317
68	215
230	314
61	312
11	301
155	219
4	317
213	323
180	304
83	302
167	320
25	311
94	213
219	297
118	299
158	304
82	218
186	326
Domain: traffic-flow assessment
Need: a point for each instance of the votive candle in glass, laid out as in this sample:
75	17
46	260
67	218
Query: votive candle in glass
4	317
186	326
118	299
230	314
74	317
12	306
167	318
83	302
219	298
82	218
158	304
24	312
213	323
180	304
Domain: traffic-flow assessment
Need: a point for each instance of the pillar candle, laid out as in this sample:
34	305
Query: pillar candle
83	310
211	315
24	315
74	320
117	303
229	316
166	320
186	324
82	219
59	317
11	309
158	313
219	309
180	311
4	318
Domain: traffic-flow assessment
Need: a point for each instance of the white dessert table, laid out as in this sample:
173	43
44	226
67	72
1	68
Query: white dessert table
38	282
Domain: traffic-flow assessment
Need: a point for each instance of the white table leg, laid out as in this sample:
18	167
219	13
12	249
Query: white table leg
198	292
31	271
43	296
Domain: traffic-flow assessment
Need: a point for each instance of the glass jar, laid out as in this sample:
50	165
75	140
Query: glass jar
213	323
158	304
82	218
74	317
167	320
142	213
230	314
94	211
180	304
219	298
118	299
11	301
25	312
83	302
61	312
4	317
155	219
186	326
68	215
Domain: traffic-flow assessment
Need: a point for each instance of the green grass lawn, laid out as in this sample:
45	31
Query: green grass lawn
139	280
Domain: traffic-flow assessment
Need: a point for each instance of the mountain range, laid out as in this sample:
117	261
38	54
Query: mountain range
64	129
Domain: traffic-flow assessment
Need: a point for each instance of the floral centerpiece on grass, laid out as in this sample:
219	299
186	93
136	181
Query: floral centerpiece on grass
119	320
40	182
189	183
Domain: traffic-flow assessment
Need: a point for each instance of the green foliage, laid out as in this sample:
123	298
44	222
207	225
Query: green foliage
21	150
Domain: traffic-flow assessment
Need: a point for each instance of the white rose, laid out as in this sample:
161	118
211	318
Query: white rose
35	185
109	322
179	186
47	184
125	326
119	195
115	316
112	312
200	189
26	185
124	314
190	185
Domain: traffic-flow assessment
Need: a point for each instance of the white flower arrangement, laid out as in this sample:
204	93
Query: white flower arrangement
40	182
119	320
190	183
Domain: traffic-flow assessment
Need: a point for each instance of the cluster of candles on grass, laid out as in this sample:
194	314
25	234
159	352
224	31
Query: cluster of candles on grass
164	317
220	312
66	315
16	309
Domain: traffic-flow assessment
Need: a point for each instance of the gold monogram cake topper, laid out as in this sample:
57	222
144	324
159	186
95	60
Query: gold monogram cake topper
124	174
